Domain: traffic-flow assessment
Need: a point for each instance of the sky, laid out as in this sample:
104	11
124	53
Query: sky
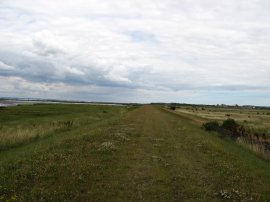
186	51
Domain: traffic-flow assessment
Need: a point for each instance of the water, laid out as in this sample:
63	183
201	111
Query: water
8	104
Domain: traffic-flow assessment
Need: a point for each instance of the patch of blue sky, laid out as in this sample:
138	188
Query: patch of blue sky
140	36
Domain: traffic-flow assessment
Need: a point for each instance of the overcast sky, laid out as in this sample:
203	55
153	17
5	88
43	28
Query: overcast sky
194	51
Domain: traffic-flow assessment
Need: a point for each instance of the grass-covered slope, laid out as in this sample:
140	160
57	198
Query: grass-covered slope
146	154
25	123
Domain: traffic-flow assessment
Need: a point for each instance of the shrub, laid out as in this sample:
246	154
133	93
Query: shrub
172	107
229	124
211	126
230	128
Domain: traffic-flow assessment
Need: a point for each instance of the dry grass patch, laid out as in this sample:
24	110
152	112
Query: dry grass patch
12	136
107	146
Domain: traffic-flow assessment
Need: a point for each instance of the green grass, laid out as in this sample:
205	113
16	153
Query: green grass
27	123
257	120
126	154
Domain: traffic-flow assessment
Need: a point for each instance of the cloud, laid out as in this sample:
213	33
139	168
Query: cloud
172	50
5	67
46	45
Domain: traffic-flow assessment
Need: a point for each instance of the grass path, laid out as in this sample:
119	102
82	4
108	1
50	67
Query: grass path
150	154
171	159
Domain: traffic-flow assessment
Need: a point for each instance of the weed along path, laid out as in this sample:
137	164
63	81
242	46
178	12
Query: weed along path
146	154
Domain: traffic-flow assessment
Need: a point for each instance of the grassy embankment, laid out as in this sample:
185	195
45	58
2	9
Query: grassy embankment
255	121
147	154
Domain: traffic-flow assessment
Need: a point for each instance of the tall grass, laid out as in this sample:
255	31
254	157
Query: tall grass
257	147
16	135
255	142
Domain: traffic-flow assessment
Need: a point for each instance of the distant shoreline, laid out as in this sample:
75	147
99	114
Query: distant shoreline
16	102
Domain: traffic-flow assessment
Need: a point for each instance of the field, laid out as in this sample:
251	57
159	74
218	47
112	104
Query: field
257	120
124	153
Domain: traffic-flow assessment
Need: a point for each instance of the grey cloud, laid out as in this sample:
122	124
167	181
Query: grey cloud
5	67
155	48
45	50
39	69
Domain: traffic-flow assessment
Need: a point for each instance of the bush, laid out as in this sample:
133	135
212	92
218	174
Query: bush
172	107
228	128
211	126
229	124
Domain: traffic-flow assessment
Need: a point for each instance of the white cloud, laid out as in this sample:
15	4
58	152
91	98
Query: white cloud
5	67
173	50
